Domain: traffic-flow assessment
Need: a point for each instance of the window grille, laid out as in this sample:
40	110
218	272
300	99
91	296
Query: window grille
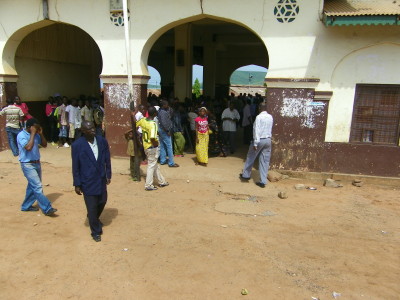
376	114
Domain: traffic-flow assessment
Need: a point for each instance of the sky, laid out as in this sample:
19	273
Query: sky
198	73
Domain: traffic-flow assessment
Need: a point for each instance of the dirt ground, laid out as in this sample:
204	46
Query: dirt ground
206	236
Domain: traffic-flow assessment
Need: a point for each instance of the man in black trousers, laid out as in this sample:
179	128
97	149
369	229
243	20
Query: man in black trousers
91	171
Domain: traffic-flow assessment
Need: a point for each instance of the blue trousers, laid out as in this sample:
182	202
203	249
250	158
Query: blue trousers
95	206
12	139
166	149
34	190
264	153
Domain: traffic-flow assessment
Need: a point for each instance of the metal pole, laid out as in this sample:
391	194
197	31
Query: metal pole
128	50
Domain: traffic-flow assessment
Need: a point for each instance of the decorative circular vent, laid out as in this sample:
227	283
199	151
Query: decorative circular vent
286	11
118	18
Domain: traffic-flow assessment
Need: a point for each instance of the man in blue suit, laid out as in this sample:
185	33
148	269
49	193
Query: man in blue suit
91	171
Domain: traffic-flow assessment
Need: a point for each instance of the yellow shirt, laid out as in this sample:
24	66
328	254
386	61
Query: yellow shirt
149	131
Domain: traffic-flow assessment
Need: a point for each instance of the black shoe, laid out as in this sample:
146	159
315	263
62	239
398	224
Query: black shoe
97	238
243	178
51	212
31	209
260	184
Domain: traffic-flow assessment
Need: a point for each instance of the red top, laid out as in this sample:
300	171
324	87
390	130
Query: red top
25	110
202	124
49	108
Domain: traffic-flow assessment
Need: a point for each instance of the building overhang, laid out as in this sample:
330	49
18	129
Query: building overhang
356	12
361	20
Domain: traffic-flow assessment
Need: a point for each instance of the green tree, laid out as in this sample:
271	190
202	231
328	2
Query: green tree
196	89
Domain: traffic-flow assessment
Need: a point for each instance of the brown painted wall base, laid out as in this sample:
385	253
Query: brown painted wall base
299	134
117	113
8	90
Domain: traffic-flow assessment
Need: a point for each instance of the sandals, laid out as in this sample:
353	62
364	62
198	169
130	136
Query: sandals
173	166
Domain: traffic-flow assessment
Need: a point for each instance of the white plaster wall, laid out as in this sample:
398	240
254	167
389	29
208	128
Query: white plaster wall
303	48
376	64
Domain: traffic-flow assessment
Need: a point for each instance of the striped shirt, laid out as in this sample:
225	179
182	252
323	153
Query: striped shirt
13	115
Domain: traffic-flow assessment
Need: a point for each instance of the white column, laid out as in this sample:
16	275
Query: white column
210	58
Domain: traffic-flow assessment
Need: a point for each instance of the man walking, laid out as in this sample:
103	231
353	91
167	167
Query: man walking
230	116
91	171
29	140
14	116
260	146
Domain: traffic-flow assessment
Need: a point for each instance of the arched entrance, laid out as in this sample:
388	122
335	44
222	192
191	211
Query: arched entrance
221	46
46	58
58	56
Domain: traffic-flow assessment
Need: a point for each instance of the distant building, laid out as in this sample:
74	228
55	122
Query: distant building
333	83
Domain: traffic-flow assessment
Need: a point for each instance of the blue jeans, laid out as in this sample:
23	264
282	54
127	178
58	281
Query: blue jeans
166	149
12	139
34	191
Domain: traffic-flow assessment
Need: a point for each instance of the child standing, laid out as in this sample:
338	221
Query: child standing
134	160
202	137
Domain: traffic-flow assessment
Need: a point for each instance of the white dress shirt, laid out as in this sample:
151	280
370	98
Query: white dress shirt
262	128
94	148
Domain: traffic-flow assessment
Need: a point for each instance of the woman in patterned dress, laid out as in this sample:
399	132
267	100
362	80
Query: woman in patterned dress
202	137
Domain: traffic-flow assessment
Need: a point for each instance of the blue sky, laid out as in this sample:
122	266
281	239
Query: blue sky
198	73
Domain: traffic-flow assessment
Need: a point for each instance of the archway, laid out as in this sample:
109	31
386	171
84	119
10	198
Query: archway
50	58
154	83
220	45
248	80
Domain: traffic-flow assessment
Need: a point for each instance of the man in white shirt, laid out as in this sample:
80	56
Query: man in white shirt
71	109
230	116
260	146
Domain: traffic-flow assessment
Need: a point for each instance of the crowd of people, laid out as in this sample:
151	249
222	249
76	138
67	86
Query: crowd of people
167	128
160	131
65	117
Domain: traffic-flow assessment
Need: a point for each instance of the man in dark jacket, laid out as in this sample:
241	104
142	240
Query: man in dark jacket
91	171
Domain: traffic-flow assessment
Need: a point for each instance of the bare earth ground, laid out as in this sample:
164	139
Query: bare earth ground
206	236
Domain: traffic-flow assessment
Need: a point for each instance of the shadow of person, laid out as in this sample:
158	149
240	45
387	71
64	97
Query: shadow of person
108	215
54	196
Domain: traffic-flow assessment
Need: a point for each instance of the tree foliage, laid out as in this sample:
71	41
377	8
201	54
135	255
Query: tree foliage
196	88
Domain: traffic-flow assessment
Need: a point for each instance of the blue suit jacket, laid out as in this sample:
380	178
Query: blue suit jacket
88	173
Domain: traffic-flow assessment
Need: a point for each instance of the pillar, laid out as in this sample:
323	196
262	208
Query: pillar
8	90
210	57
117	104
183	61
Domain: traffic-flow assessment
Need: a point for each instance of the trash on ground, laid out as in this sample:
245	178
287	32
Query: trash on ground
311	188
125	249
252	199
244	292
336	295
267	213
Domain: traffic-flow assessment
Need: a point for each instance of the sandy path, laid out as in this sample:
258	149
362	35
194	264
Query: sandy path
206	239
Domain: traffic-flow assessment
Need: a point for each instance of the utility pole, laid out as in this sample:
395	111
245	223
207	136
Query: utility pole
250	77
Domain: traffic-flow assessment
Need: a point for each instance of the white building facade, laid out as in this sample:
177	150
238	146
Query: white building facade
332	81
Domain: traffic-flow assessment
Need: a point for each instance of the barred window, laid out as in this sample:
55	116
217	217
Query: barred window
376	114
